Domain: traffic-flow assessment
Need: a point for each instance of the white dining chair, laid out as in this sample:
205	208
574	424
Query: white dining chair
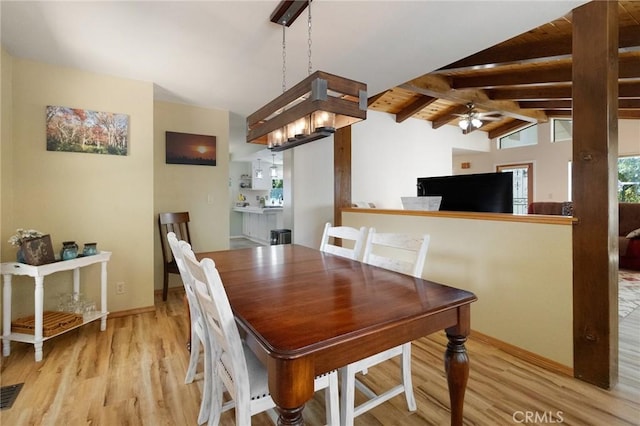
410	262
198	329
357	236
234	364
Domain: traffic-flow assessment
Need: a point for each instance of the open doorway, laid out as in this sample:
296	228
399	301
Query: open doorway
522	185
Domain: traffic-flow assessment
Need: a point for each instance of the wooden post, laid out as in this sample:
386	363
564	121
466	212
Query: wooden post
595	155
342	172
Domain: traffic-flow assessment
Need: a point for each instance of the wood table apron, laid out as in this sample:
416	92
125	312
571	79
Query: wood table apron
306	312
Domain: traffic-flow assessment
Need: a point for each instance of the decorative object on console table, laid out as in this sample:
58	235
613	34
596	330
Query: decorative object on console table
20	256
90	249
21	236
38	251
69	250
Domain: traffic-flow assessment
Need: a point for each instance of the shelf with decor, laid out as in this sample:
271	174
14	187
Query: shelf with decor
32	329
245	182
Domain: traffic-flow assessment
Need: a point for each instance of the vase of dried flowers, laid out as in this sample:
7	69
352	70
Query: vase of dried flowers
20	237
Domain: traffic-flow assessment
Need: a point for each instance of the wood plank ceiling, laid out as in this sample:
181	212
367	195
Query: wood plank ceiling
527	79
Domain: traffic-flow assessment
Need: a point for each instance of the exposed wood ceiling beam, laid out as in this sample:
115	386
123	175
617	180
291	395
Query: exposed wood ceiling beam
566	104
629	103
629	114
448	116
547	104
625	90
537	51
628	67
553	113
414	107
629	89
506	128
626	114
527	78
437	86
373	99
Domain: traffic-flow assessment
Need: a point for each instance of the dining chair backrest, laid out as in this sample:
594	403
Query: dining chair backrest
195	313
177	254
178	223
228	359
356	236
400	252
404	253
197	327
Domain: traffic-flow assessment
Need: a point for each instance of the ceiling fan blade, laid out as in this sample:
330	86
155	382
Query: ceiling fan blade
488	114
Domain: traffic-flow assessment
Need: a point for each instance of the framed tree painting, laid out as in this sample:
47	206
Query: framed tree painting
83	130
187	148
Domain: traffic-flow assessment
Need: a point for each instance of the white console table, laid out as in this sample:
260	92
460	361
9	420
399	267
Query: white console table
38	273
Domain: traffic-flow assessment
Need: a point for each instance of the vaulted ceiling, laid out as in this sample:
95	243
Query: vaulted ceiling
526	79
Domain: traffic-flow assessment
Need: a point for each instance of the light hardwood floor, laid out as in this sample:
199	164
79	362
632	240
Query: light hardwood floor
133	374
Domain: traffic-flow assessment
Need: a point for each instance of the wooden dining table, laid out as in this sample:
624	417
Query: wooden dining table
305	312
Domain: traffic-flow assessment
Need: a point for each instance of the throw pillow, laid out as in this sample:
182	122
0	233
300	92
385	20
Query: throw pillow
634	234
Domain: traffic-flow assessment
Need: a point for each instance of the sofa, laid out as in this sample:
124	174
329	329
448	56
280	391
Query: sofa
564	208
628	227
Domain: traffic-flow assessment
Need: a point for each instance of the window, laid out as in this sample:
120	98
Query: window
561	129
523	137
629	179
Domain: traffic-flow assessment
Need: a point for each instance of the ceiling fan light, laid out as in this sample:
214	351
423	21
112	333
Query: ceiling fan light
463	123
475	122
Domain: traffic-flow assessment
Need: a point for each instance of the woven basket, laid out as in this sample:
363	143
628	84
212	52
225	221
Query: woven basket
52	323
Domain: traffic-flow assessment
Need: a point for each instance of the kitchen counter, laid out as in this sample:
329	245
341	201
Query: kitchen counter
257	222
257	210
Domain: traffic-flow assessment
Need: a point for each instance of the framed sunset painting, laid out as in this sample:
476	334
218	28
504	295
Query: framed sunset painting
187	148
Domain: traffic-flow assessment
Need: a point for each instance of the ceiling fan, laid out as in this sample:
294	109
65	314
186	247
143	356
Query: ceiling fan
473	119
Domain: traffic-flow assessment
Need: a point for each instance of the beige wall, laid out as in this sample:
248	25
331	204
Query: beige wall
203	191
520	272
76	196
113	200
6	147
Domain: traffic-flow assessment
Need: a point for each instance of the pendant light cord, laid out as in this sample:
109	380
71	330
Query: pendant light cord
284	59
309	42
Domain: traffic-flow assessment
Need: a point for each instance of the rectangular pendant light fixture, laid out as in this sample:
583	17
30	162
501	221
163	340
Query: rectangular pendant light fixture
310	110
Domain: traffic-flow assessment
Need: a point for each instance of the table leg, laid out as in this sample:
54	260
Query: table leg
291	384
103	295
6	316
39	306
456	364
76	284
